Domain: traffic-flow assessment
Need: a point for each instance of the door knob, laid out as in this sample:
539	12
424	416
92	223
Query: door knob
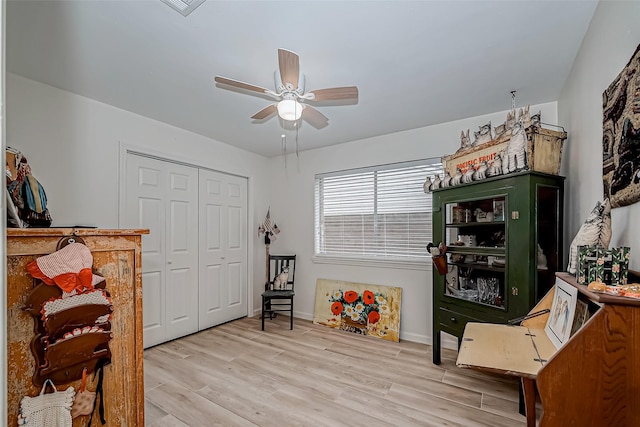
168	262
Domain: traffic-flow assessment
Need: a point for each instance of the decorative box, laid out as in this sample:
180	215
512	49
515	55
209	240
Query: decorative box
609	266
544	152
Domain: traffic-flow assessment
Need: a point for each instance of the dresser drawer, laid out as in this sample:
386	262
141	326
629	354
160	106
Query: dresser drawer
453	322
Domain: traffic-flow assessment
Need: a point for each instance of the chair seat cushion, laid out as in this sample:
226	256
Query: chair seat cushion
278	294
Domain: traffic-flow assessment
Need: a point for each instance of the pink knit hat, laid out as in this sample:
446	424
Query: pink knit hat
69	268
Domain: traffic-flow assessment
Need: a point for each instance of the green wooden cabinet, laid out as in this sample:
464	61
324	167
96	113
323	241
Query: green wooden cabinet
494	230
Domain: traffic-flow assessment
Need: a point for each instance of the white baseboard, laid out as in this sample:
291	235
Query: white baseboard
296	314
449	341
409	336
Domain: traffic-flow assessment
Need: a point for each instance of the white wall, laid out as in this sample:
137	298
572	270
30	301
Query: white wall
613	35
73	146
292	208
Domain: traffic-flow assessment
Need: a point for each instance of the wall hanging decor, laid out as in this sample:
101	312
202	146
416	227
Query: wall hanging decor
364	309
621	135
72	313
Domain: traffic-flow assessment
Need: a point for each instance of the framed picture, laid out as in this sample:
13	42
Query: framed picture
581	316
498	210
563	309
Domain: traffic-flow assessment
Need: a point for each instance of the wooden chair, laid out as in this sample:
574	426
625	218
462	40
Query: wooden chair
278	297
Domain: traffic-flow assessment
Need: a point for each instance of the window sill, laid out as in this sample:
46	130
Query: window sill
423	264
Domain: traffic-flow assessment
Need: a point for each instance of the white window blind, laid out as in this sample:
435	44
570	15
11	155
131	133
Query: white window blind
379	212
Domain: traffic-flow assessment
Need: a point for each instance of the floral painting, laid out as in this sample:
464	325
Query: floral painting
372	310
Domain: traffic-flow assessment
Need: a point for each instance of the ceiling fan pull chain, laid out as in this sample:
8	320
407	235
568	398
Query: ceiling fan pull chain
284	149
297	131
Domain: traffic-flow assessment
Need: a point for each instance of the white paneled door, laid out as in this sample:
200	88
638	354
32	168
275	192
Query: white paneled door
223	248
163	197
194	260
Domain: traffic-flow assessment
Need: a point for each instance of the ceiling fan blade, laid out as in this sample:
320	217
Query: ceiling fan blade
265	112
335	93
314	117
289	64
241	85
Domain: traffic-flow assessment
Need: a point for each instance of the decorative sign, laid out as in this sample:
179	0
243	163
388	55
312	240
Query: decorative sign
474	156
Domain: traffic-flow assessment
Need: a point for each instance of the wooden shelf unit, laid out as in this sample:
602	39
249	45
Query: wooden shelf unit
117	256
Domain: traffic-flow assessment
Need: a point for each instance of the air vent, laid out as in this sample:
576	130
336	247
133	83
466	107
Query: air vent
185	7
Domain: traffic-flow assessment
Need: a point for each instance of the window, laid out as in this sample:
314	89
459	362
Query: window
379	212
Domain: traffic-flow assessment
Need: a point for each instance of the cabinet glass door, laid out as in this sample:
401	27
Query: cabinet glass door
548	236
476	250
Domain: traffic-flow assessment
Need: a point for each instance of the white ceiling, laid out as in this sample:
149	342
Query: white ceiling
416	63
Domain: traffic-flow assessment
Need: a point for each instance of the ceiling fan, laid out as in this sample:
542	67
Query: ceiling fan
289	92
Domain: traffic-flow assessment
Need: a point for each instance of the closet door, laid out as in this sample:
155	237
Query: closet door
163	197
223	248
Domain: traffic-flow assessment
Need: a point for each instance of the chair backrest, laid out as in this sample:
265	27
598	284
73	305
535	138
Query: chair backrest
277	266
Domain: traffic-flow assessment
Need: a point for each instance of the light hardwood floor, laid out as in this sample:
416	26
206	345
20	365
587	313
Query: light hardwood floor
237	375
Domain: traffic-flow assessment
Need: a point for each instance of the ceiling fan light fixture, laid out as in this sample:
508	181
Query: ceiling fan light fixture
290	109
290	92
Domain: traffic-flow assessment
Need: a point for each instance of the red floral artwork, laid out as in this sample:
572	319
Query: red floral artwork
336	308
374	316
359	308
350	297
362	307
368	297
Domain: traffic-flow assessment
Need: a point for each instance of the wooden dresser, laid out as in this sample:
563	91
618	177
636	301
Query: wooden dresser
117	256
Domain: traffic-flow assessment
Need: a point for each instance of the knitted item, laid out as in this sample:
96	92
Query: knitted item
47	410
69	268
56	305
85	330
